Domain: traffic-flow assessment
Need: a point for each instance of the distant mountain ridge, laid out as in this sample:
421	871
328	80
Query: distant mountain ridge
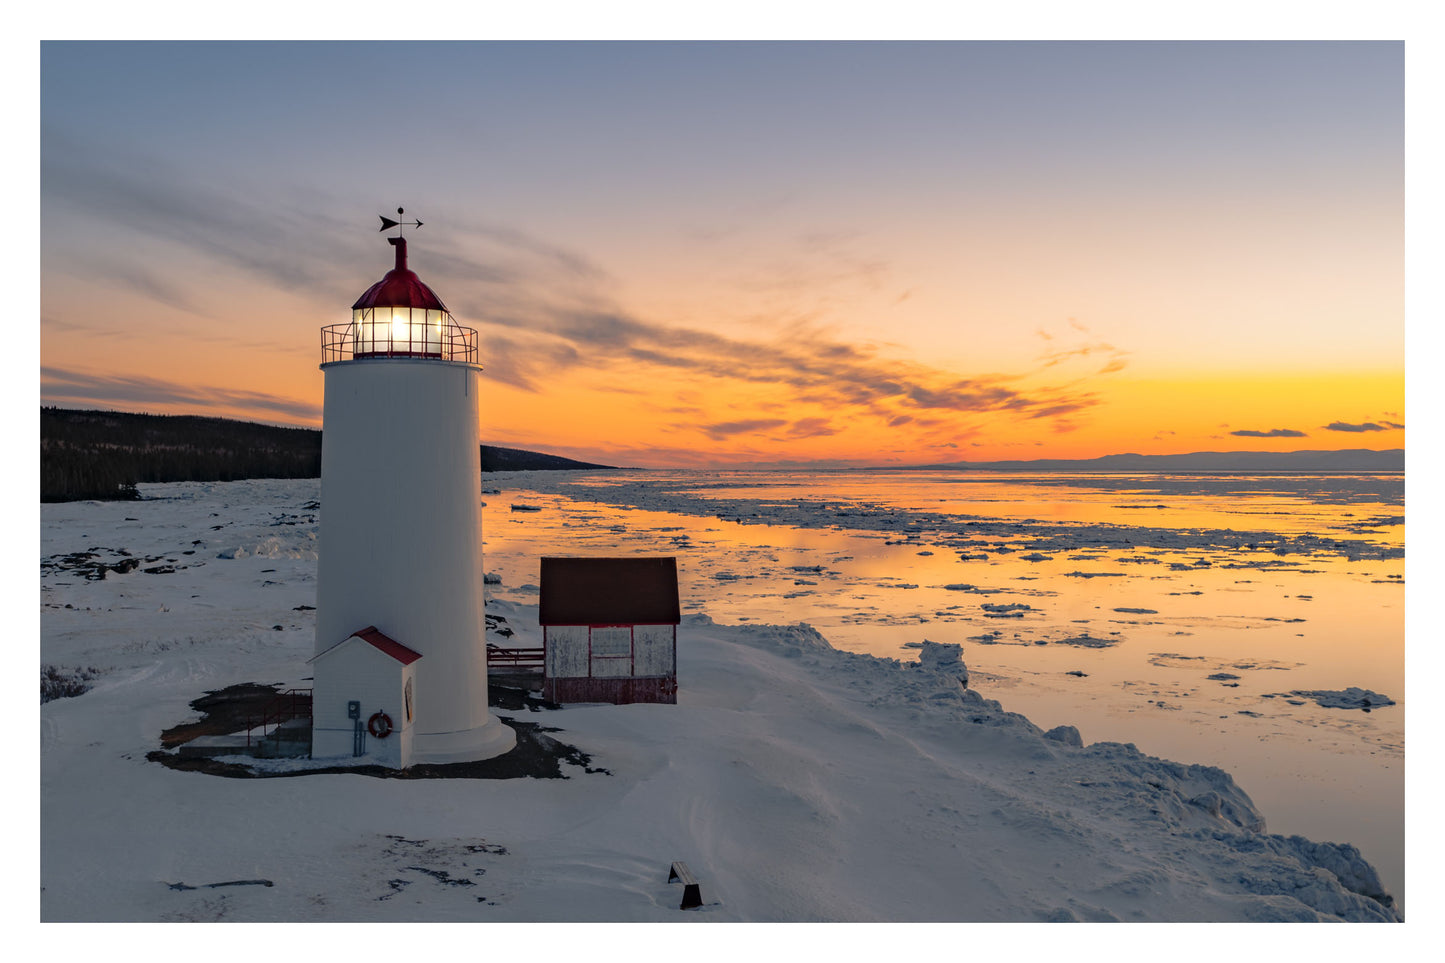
1346	459
105	454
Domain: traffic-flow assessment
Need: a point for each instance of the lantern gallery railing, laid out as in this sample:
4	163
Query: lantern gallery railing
399	333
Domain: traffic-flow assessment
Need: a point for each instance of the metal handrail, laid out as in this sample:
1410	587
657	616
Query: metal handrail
290	704
343	342
496	655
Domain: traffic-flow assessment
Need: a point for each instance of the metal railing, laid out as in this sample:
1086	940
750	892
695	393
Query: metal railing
517	658
447	341
287	705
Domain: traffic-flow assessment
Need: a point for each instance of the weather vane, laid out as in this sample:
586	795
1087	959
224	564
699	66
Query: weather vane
387	223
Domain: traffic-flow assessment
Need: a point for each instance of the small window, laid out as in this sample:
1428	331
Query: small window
612	642
611	652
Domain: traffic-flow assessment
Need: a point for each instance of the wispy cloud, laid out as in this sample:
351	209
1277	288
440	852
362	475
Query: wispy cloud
811	428
63	387
1367	426
1116	359
138	278
745	426
814	367
1272	433
252	234
1052	358
547	310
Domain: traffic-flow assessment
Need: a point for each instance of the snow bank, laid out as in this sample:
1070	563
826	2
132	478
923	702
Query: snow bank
1107	804
274	548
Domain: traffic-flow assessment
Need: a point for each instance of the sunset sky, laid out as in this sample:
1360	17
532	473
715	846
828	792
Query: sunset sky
684	254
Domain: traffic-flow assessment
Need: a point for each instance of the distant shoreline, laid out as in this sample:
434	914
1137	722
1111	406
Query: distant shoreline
1312	461
96	454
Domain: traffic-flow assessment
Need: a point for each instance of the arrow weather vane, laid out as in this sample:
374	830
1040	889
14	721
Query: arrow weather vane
387	223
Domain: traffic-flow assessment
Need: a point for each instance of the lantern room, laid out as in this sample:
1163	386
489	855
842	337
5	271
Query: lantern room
399	317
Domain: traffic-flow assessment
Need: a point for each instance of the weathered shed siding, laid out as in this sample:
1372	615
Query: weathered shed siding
616	691
566	651
655	650
610	663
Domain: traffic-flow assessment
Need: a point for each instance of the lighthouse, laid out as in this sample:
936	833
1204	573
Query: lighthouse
400	666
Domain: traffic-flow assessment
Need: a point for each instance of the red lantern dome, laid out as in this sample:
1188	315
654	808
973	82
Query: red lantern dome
401	288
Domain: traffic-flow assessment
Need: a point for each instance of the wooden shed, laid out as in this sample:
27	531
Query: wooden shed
609	629
364	700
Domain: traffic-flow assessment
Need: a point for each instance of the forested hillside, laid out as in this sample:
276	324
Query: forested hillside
105	454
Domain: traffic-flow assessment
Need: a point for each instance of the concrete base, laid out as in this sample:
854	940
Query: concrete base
469	745
290	740
206	747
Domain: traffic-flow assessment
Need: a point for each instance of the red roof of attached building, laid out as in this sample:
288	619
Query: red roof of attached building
388	645
400	288
609	591
379	640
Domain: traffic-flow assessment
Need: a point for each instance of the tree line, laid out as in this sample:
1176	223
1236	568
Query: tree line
105	454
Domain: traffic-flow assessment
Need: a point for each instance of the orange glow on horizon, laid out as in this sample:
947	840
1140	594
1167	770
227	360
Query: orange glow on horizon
657	418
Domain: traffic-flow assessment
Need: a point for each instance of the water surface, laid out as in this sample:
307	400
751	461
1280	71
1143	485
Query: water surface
1182	613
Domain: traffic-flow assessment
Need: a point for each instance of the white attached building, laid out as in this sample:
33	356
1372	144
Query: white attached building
363	704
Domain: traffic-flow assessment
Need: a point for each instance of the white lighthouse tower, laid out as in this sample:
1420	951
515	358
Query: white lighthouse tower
401	662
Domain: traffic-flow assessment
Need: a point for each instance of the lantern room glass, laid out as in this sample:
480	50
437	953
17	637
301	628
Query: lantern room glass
415	332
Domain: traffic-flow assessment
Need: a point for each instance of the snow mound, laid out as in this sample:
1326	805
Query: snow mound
790	640
943	657
301	547
1301	880
1068	735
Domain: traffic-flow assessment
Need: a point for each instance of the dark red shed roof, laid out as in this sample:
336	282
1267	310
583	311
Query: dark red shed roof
400	288
609	591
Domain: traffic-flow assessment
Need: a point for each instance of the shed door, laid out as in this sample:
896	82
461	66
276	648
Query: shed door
611	651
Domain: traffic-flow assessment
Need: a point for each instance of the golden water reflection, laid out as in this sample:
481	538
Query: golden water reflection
1120	641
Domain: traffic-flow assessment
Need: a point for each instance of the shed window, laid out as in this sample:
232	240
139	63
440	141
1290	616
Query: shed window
612	642
611	652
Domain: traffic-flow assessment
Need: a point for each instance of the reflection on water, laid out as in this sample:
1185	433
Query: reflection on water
1180	613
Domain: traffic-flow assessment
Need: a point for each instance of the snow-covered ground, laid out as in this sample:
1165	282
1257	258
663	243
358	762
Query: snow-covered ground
798	781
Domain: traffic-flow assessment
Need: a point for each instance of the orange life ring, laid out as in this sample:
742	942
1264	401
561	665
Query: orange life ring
379	725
